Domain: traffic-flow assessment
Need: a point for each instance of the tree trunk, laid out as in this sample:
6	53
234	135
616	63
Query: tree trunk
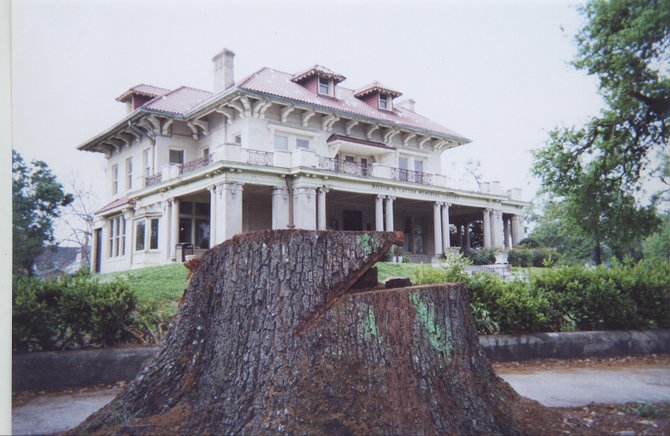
273	336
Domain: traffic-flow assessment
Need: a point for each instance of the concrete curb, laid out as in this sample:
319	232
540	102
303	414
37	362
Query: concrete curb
59	370
576	345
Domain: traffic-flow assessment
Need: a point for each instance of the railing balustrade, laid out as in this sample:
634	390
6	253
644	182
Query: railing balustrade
411	176
345	166
257	157
195	164
153	179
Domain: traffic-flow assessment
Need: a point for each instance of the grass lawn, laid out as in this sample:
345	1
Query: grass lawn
387	270
160	286
163	286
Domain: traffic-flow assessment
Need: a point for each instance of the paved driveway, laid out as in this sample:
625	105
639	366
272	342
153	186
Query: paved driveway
552	387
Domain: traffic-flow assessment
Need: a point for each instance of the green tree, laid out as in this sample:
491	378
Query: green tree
37	199
657	246
596	172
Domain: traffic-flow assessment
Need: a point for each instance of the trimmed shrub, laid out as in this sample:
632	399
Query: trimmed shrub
70	312
537	257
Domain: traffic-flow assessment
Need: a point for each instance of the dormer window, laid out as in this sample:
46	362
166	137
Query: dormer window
325	86
319	80
377	95
384	102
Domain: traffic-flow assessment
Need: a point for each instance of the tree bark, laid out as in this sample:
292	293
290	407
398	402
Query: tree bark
273	336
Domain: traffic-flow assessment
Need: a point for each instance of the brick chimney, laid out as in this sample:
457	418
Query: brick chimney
224	70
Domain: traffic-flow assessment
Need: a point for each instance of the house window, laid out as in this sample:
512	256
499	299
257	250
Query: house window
139	235
194	225
325	86
123	236
418	166
117	236
115	179
146	163
238	139
205	152
384	102
403	163
111	238
153	239
281	142
176	156
129	173
302	143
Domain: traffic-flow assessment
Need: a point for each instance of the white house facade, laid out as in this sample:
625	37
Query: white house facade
279	150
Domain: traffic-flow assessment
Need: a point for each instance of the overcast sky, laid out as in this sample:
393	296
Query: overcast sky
496	71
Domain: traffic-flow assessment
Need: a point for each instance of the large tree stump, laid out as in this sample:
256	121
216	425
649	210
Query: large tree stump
273	337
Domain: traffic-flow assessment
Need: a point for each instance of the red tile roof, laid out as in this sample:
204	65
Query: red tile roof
317	70
280	84
336	137
179	101
376	87
113	204
143	89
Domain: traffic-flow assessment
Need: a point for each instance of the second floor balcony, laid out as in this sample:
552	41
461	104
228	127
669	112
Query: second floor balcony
294	159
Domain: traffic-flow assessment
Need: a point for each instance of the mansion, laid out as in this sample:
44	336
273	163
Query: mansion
281	150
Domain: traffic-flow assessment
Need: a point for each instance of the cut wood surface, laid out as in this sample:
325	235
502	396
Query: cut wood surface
273	336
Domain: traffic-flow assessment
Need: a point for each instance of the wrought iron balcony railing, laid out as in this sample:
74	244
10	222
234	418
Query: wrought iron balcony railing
257	157
195	164
345	166
153	179
411	176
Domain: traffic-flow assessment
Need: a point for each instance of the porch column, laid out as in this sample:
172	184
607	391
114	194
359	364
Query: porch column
321	208
128	216
174	227
212	215
498	226
304	207
466	229
379	213
279	208
446	234
508	233
486	224
165	229
228	210
437	228
459	235
389	213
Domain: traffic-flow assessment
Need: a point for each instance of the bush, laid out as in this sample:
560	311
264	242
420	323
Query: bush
70	312
537	257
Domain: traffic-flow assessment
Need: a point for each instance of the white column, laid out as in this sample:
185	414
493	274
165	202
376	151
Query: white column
379	213
466	230
321	208
304	207
498	222
508	233
230	204
446	238
280	208
212	215
128	216
164	240
486	227
437	228
389	213
459	235
174	227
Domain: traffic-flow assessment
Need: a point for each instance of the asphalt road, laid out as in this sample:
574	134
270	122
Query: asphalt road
570	387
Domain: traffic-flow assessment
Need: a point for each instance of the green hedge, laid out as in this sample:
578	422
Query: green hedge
570	298
70	312
537	257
